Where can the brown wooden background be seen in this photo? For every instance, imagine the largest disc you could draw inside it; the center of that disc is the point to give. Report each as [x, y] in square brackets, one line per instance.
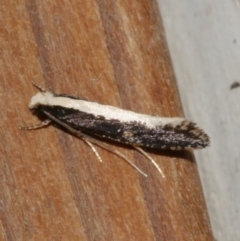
[52, 185]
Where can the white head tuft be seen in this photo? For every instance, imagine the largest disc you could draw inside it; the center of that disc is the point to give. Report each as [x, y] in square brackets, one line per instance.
[41, 98]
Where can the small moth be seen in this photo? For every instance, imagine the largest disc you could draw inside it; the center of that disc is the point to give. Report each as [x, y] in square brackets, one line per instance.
[88, 119]
[234, 85]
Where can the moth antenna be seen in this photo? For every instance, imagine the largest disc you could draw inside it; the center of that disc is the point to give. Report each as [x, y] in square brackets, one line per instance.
[98, 78]
[92, 140]
[37, 126]
[151, 159]
[38, 87]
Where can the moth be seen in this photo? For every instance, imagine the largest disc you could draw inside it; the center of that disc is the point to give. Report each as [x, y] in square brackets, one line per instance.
[234, 85]
[87, 119]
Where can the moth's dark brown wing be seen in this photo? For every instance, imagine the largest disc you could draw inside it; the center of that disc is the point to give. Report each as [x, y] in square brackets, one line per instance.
[184, 136]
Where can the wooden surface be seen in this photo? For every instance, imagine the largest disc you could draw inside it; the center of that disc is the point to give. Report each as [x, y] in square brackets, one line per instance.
[204, 42]
[52, 185]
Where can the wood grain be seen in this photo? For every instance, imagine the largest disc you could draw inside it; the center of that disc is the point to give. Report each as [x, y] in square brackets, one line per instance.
[52, 185]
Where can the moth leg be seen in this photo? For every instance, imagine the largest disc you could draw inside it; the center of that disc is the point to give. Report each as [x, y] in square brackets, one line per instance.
[151, 159]
[123, 157]
[104, 146]
[94, 141]
[93, 148]
[37, 126]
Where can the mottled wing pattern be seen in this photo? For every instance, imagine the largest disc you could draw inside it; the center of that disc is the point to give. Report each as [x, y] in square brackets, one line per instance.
[186, 135]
